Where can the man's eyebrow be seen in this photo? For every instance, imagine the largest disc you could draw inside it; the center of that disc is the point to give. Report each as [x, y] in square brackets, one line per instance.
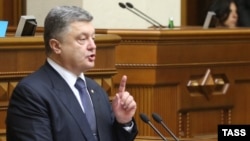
[87, 34]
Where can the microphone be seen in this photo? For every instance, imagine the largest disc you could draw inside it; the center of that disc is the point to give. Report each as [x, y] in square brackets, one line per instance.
[122, 5]
[146, 120]
[132, 7]
[158, 119]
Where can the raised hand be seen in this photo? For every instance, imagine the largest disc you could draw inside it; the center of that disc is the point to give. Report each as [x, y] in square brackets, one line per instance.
[123, 104]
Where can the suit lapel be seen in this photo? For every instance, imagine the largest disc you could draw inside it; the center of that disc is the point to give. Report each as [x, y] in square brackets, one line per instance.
[67, 97]
[95, 99]
[103, 116]
[97, 102]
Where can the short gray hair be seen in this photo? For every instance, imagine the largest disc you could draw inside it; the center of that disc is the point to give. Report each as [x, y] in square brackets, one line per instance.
[58, 19]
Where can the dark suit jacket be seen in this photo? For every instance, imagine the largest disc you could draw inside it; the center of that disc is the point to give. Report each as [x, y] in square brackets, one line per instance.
[44, 108]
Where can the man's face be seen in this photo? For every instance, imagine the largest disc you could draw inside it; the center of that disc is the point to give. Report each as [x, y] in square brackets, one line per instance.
[78, 49]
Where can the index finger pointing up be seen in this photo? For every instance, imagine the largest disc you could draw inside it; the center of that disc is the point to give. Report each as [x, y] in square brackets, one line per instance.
[122, 86]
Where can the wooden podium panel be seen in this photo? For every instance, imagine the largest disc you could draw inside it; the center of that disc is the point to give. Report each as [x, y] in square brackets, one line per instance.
[194, 78]
[20, 56]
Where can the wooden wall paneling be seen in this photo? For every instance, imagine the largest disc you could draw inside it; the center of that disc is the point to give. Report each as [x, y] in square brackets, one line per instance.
[19, 7]
[183, 12]
[193, 12]
[11, 10]
[1, 11]
[162, 63]
[242, 106]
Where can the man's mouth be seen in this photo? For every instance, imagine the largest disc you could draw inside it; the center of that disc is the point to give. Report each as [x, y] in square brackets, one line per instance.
[92, 57]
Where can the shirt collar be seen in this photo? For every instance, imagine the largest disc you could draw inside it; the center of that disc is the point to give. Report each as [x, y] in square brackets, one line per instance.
[68, 76]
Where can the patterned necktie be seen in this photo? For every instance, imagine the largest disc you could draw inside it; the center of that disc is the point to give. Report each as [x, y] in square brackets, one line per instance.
[87, 104]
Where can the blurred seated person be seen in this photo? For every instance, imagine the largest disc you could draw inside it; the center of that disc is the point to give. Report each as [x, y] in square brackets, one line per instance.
[226, 13]
[243, 12]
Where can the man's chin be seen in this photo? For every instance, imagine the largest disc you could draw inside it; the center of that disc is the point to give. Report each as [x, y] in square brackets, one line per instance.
[90, 66]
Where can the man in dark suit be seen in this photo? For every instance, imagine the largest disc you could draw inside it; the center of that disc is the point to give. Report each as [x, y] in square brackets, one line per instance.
[47, 106]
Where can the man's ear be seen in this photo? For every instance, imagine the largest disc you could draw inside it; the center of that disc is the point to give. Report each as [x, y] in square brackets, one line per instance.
[55, 46]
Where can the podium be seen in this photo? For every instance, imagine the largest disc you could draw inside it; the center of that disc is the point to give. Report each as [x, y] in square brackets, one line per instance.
[194, 78]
